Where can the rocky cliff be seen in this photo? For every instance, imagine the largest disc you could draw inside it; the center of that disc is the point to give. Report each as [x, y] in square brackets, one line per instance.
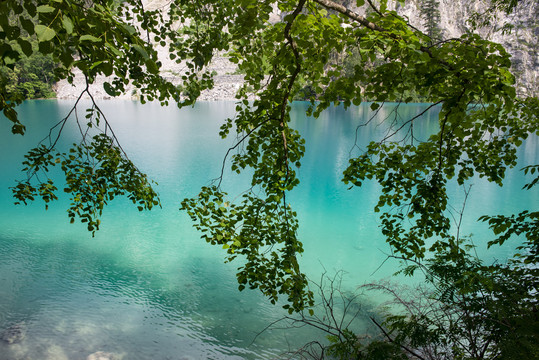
[521, 43]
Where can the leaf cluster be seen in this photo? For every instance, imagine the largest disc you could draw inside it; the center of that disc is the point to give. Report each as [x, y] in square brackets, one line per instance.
[95, 173]
[87, 36]
[481, 122]
[96, 170]
[262, 232]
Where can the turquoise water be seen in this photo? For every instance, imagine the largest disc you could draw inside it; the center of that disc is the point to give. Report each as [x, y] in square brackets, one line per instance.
[147, 287]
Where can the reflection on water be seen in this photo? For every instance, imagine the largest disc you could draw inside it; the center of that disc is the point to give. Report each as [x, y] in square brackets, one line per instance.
[147, 287]
[81, 301]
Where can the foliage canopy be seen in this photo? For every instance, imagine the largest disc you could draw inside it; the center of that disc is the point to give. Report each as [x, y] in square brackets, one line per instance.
[481, 122]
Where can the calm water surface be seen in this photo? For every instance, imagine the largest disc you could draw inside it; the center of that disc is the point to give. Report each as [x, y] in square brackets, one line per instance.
[146, 286]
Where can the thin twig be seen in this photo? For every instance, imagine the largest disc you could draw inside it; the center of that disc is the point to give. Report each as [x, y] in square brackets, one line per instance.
[393, 341]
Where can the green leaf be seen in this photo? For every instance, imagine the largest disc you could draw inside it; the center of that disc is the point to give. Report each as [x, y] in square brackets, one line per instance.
[18, 128]
[89, 38]
[25, 46]
[128, 28]
[152, 67]
[68, 24]
[45, 9]
[141, 51]
[109, 89]
[45, 47]
[10, 57]
[114, 50]
[27, 25]
[30, 8]
[107, 68]
[44, 33]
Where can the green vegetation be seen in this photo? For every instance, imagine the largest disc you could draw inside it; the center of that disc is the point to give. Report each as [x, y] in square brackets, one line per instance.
[30, 78]
[480, 310]
[430, 14]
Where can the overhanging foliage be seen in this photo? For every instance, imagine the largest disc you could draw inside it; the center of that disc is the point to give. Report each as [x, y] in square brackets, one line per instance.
[481, 122]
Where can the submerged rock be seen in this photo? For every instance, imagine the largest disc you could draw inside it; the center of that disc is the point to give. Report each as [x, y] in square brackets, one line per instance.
[102, 355]
[15, 333]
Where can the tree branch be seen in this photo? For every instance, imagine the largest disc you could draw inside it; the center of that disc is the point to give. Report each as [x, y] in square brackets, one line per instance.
[405, 348]
[349, 13]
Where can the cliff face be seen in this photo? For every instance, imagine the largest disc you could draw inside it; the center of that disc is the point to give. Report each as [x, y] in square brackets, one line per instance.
[521, 43]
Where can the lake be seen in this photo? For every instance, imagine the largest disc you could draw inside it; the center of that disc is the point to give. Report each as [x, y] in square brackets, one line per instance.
[146, 286]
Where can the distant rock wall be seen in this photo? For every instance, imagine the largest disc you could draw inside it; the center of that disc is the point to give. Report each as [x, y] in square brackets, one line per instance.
[521, 43]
